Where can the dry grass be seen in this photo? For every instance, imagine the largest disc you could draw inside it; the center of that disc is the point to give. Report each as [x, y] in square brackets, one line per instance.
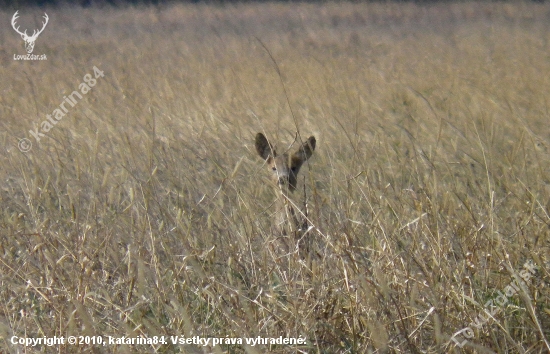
[145, 211]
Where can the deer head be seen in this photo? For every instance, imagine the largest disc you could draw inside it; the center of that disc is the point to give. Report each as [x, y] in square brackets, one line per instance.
[285, 167]
[29, 40]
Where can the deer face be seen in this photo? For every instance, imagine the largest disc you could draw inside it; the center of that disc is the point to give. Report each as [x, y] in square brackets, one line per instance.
[29, 43]
[284, 168]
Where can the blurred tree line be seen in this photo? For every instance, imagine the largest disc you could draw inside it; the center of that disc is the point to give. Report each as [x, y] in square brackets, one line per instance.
[16, 4]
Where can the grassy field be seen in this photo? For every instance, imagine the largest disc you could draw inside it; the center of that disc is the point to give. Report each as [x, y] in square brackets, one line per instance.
[143, 208]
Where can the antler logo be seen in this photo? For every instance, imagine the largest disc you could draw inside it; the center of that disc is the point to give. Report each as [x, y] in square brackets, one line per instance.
[29, 40]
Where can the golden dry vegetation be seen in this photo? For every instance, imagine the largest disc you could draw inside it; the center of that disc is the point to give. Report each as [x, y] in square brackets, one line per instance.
[145, 210]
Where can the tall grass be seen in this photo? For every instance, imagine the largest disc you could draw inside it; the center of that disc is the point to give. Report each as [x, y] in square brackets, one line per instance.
[146, 211]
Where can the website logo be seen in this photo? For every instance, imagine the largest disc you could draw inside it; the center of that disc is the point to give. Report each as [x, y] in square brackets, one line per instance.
[29, 40]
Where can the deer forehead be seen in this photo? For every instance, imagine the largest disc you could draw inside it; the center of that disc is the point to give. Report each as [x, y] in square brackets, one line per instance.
[281, 162]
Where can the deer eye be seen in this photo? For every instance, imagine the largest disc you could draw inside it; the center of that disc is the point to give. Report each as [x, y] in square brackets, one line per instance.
[274, 168]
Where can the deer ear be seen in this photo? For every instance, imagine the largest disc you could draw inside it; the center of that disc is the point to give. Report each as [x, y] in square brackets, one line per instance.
[263, 147]
[306, 150]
